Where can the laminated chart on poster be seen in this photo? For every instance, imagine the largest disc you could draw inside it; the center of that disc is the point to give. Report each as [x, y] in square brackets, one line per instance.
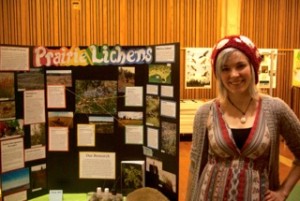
[152, 89]
[134, 96]
[12, 154]
[35, 153]
[197, 68]
[268, 68]
[97, 165]
[296, 68]
[58, 139]
[56, 96]
[165, 53]
[14, 58]
[134, 134]
[168, 108]
[34, 106]
[22, 195]
[167, 91]
[152, 138]
[86, 135]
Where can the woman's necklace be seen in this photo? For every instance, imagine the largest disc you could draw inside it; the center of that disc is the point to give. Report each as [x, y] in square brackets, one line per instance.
[243, 118]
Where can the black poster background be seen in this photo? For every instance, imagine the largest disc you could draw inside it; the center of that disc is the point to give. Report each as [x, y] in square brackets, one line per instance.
[63, 167]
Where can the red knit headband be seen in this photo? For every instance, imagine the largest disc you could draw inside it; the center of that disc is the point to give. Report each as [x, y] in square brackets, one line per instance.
[242, 43]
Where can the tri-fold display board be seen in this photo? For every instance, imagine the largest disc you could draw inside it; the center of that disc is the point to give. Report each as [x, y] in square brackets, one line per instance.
[78, 118]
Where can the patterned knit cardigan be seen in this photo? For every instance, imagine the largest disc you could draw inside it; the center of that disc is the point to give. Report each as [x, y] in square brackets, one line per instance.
[281, 120]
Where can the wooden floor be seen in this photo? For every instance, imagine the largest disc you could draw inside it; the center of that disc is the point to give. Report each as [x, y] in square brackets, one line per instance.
[285, 164]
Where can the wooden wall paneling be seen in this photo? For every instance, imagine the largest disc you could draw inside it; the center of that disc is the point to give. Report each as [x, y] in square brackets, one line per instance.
[104, 24]
[165, 23]
[149, 23]
[116, 25]
[129, 11]
[142, 13]
[97, 16]
[296, 100]
[159, 23]
[29, 40]
[109, 12]
[284, 75]
[45, 22]
[296, 24]
[293, 23]
[112, 22]
[1, 22]
[198, 17]
[191, 31]
[11, 22]
[108, 22]
[48, 10]
[33, 23]
[292, 28]
[182, 51]
[200, 28]
[282, 25]
[170, 21]
[53, 22]
[18, 24]
[277, 30]
[40, 34]
[13, 25]
[6, 21]
[155, 21]
[176, 20]
[60, 24]
[84, 25]
[124, 22]
[145, 12]
[188, 28]
[101, 39]
[136, 24]
[92, 16]
[67, 18]
[48, 14]
[75, 25]
[167, 13]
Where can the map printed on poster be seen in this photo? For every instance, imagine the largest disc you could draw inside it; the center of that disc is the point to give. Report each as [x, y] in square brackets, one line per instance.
[296, 68]
[268, 68]
[197, 68]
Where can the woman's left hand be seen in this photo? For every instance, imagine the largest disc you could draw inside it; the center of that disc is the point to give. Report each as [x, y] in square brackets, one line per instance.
[275, 196]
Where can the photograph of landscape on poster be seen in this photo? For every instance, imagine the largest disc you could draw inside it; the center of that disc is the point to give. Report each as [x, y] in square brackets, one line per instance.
[96, 96]
[7, 90]
[125, 78]
[160, 73]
